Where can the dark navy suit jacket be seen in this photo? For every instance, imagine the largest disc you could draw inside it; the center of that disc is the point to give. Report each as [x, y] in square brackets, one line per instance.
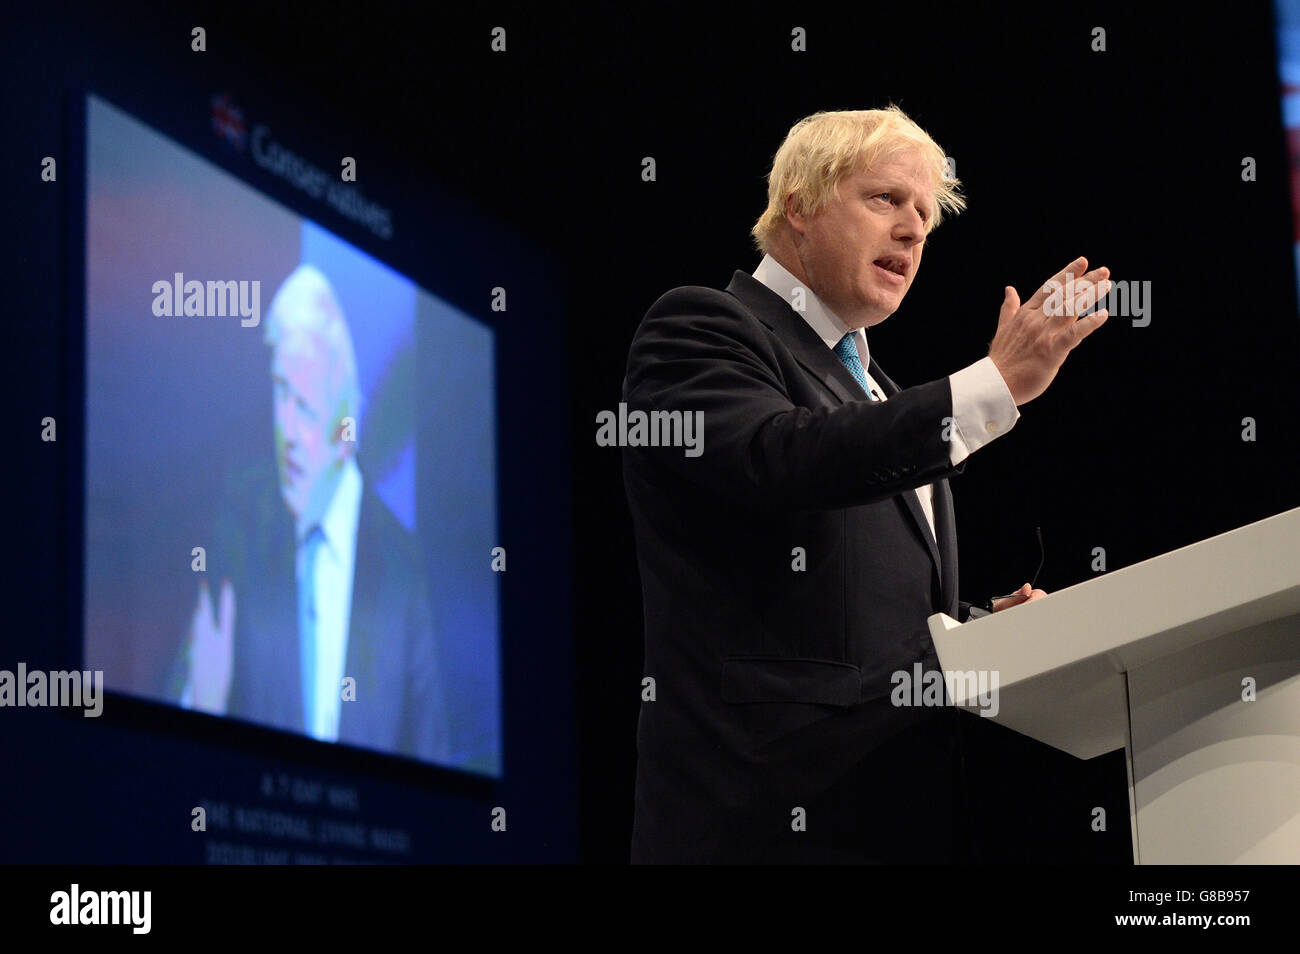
[772, 684]
[392, 650]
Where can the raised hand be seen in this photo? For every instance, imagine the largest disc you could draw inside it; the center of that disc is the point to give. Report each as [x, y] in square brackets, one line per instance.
[1033, 339]
[212, 649]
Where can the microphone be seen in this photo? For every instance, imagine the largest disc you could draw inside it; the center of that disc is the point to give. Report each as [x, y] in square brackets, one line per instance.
[1042, 558]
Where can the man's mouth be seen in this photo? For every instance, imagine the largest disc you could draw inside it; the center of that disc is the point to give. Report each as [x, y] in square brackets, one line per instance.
[892, 267]
[291, 470]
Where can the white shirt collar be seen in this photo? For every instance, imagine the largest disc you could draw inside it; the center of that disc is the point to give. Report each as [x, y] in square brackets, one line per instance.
[820, 318]
[339, 523]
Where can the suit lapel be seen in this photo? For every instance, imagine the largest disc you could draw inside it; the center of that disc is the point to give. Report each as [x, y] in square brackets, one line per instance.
[911, 498]
[268, 683]
[369, 603]
[797, 335]
[947, 529]
[821, 362]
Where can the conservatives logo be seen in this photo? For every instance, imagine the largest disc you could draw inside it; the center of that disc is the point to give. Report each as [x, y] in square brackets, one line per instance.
[228, 121]
[344, 197]
[102, 907]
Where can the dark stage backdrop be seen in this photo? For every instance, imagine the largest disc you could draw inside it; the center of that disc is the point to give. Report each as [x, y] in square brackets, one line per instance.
[1132, 156]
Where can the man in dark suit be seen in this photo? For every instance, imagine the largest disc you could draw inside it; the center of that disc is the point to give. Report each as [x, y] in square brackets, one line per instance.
[788, 569]
[322, 625]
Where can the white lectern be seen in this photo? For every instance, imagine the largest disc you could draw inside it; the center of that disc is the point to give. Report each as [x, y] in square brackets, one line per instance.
[1161, 659]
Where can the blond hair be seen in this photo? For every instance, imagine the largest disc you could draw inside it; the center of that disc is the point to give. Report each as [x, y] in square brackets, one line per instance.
[821, 149]
[305, 316]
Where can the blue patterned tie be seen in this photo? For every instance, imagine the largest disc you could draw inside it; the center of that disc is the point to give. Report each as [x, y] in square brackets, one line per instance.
[307, 626]
[847, 352]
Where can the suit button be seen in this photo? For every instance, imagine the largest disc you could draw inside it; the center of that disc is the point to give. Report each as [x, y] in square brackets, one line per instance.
[990, 427]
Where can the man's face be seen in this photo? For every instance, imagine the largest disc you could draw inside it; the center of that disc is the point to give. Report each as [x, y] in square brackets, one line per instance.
[304, 446]
[860, 254]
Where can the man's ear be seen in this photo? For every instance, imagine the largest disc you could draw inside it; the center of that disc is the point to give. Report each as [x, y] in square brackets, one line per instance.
[794, 213]
[342, 448]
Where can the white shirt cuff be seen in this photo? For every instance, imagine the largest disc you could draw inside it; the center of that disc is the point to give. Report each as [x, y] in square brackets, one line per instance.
[982, 408]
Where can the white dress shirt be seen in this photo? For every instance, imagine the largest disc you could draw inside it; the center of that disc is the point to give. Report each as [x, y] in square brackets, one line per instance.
[335, 560]
[982, 406]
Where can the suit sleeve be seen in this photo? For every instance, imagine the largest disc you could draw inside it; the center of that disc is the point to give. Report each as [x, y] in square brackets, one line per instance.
[707, 355]
[175, 685]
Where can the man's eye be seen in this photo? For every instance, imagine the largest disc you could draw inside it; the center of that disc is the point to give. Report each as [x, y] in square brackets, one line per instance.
[888, 197]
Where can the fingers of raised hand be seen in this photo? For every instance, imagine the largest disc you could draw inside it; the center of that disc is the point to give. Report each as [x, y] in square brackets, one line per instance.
[1086, 326]
[1085, 292]
[1071, 292]
[1068, 300]
[1059, 279]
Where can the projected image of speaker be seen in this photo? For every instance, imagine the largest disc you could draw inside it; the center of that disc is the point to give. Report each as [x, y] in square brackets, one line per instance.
[290, 473]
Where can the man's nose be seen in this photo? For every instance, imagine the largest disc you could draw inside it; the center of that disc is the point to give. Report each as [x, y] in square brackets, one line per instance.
[910, 227]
